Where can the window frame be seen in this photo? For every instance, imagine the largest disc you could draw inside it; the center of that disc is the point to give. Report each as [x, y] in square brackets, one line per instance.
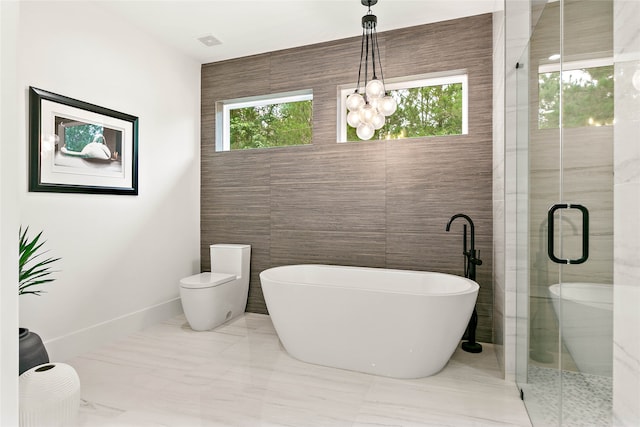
[408, 82]
[223, 111]
[556, 67]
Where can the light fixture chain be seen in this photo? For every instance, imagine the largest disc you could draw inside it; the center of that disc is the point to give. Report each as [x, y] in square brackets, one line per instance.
[374, 44]
[361, 54]
[379, 61]
[366, 62]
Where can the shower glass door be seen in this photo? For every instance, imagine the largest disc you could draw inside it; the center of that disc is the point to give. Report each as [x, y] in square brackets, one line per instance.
[565, 222]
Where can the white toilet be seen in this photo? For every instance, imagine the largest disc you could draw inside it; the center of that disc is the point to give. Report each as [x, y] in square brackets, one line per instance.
[210, 299]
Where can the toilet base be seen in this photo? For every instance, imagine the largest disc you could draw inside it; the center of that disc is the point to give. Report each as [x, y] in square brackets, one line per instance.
[200, 325]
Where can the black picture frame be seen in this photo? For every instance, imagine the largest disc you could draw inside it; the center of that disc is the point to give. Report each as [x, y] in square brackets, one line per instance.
[78, 147]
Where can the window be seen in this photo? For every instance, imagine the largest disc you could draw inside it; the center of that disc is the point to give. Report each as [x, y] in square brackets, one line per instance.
[429, 105]
[587, 94]
[264, 121]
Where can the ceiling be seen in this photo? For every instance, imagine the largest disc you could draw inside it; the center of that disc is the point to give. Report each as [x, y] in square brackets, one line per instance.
[248, 27]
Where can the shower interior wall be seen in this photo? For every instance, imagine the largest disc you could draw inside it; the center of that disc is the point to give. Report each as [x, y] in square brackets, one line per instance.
[377, 203]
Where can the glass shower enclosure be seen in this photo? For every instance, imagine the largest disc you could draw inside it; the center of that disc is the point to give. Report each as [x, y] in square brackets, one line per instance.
[565, 214]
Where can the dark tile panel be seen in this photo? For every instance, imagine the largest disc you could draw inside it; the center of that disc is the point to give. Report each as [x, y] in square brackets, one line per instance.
[325, 109]
[245, 168]
[440, 46]
[261, 260]
[235, 78]
[439, 157]
[251, 225]
[485, 297]
[207, 135]
[428, 184]
[319, 67]
[236, 201]
[483, 333]
[336, 163]
[423, 252]
[255, 301]
[327, 247]
[345, 206]
[429, 215]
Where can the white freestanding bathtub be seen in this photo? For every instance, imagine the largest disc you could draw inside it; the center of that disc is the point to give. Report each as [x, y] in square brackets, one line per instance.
[394, 323]
[586, 324]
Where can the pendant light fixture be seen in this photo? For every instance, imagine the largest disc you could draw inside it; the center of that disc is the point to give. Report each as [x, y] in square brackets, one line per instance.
[370, 104]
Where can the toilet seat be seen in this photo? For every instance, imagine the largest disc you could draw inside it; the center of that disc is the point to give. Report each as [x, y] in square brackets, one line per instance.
[206, 280]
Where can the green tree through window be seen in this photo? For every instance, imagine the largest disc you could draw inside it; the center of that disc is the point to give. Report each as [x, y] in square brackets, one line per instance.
[422, 111]
[272, 125]
[587, 98]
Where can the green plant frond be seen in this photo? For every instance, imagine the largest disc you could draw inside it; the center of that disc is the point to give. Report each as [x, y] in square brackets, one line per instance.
[37, 270]
[39, 263]
[31, 292]
[35, 275]
[33, 272]
[36, 256]
[29, 249]
[35, 283]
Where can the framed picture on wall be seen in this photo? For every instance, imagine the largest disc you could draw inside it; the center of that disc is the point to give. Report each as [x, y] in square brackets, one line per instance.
[77, 147]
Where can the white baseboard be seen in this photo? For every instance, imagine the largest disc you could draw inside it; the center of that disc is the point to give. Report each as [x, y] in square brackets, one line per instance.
[84, 340]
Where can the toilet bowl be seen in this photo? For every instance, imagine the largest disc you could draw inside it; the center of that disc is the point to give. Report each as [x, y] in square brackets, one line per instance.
[209, 299]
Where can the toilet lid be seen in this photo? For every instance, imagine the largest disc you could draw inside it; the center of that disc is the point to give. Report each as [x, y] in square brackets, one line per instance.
[206, 280]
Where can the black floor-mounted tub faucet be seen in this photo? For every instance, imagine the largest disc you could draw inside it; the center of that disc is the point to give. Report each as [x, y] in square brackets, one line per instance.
[471, 261]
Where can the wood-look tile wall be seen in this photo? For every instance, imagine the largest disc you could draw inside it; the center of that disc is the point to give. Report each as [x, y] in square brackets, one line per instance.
[375, 203]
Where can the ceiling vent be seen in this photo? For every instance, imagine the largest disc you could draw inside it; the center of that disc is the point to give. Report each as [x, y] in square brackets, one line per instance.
[209, 40]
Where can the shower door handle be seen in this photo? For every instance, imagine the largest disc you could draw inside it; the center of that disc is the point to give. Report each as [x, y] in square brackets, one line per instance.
[551, 231]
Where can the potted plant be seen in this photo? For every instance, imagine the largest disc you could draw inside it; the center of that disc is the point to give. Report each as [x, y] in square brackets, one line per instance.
[33, 272]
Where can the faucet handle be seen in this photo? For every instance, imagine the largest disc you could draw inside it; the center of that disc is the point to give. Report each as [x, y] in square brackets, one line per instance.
[476, 261]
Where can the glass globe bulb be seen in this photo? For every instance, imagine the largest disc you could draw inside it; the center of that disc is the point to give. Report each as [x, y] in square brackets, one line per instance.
[353, 119]
[365, 131]
[355, 101]
[387, 105]
[367, 112]
[378, 121]
[374, 89]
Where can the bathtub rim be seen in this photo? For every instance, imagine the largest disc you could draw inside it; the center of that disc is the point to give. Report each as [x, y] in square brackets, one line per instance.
[555, 290]
[471, 285]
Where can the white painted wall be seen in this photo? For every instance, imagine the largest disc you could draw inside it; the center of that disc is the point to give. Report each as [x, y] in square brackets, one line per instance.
[8, 215]
[122, 256]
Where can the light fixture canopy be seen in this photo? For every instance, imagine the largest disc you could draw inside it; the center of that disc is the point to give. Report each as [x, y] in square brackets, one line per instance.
[369, 104]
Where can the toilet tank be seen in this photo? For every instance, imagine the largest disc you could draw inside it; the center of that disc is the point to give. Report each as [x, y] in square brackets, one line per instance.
[230, 259]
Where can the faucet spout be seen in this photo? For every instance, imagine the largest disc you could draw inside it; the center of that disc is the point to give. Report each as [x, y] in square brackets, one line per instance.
[472, 229]
[460, 215]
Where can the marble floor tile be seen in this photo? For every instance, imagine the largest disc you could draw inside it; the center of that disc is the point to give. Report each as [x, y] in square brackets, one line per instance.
[239, 375]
